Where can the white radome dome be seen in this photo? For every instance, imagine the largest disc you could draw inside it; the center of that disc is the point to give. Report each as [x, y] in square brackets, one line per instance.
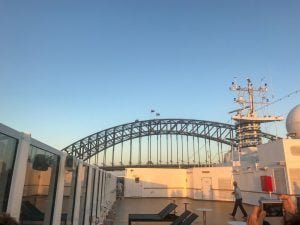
[293, 122]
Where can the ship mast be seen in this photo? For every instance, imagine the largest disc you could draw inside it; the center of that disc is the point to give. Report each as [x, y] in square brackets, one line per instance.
[247, 122]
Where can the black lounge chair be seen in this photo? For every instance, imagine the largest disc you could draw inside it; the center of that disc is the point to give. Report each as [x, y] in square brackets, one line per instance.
[189, 219]
[163, 215]
[181, 218]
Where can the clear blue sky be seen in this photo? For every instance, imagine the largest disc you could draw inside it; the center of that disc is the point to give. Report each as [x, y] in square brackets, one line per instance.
[72, 68]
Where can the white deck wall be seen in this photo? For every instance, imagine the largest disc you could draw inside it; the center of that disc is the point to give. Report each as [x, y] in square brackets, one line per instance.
[146, 182]
[213, 183]
[292, 156]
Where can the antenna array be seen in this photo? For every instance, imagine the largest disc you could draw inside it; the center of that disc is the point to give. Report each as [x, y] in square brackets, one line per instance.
[246, 119]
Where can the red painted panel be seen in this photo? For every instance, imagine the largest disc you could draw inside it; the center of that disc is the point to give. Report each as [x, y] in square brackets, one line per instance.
[266, 183]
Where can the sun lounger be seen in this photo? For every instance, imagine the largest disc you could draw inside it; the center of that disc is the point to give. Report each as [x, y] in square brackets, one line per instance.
[164, 215]
[181, 218]
[189, 219]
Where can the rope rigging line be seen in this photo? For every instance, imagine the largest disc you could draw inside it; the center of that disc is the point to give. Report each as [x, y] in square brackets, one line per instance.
[280, 99]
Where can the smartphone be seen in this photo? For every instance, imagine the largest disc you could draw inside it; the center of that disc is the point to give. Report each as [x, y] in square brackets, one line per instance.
[274, 211]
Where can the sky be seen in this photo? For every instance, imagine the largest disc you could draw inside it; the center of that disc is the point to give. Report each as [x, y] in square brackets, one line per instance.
[72, 68]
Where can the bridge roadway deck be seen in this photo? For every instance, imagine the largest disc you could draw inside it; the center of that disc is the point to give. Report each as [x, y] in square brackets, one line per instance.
[218, 215]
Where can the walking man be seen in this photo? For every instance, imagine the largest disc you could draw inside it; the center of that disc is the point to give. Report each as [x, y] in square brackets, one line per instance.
[119, 189]
[238, 201]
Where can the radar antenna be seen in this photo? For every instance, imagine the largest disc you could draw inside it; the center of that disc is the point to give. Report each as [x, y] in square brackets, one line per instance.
[246, 119]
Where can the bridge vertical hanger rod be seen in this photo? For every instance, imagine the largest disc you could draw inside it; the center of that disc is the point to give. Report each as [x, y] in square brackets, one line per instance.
[177, 142]
[148, 144]
[122, 145]
[171, 148]
[187, 149]
[222, 158]
[157, 145]
[160, 145]
[97, 148]
[140, 144]
[167, 140]
[88, 153]
[81, 150]
[113, 148]
[198, 145]
[194, 155]
[182, 149]
[219, 161]
[105, 143]
[130, 153]
[205, 146]
[210, 161]
[150, 136]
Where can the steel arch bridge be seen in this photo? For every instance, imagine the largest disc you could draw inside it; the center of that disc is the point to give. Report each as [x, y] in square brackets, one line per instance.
[159, 151]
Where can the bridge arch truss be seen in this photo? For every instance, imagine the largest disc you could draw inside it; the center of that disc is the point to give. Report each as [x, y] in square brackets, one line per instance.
[158, 143]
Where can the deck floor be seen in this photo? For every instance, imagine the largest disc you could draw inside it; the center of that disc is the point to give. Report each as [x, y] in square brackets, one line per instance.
[218, 216]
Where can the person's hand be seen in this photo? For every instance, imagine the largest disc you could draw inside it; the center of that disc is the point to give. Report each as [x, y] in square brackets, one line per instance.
[256, 217]
[288, 205]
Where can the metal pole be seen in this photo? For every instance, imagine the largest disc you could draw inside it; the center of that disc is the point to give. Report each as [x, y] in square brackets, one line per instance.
[122, 143]
[148, 157]
[194, 150]
[150, 138]
[177, 145]
[140, 150]
[160, 149]
[218, 146]
[122, 151]
[157, 147]
[171, 149]
[113, 149]
[210, 162]
[198, 152]
[182, 149]
[206, 161]
[167, 148]
[140, 144]
[130, 153]
[187, 149]
[105, 145]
